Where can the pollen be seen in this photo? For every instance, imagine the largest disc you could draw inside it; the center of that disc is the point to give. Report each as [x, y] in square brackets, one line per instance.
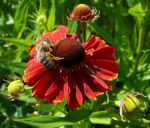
[71, 51]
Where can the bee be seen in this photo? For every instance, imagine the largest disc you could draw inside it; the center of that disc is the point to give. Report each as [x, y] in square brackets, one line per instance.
[44, 56]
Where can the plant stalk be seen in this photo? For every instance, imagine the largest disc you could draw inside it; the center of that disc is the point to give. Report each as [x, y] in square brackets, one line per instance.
[83, 25]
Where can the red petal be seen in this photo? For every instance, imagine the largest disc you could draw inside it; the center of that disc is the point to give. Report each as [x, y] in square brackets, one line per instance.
[79, 96]
[106, 53]
[34, 71]
[105, 64]
[101, 82]
[94, 43]
[72, 99]
[55, 36]
[52, 92]
[32, 51]
[106, 74]
[94, 85]
[88, 92]
[42, 85]
[66, 88]
[73, 36]
[60, 97]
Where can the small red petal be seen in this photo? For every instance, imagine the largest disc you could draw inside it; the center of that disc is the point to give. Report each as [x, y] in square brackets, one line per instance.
[79, 96]
[94, 43]
[60, 97]
[32, 51]
[88, 92]
[66, 88]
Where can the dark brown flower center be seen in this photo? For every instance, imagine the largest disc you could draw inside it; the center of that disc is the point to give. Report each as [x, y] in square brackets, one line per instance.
[71, 52]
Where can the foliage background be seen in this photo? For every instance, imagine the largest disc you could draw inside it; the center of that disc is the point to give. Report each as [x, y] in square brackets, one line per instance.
[123, 24]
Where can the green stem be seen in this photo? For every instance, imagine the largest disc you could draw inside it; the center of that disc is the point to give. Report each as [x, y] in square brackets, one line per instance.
[139, 49]
[83, 25]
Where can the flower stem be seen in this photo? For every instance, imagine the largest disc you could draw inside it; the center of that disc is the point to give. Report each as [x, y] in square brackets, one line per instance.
[83, 25]
[141, 36]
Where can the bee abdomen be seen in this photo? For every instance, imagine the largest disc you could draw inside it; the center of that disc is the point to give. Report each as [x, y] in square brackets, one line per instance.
[45, 60]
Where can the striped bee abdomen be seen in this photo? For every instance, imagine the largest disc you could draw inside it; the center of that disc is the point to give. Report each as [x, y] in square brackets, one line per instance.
[44, 59]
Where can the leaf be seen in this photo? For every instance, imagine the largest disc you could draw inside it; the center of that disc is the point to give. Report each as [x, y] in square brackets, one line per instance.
[138, 12]
[78, 115]
[100, 117]
[51, 17]
[6, 104]
[45, 121]
[13, 66]
[72, 26]
[16, 41]
[21, 17]
[103, 33]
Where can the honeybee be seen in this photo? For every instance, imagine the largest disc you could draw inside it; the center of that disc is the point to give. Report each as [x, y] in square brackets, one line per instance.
[44, 56]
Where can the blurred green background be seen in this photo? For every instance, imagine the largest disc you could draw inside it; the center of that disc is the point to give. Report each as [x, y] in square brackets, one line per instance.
[123, 24]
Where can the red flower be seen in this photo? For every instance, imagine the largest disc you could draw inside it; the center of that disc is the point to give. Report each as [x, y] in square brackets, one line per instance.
[77, 71]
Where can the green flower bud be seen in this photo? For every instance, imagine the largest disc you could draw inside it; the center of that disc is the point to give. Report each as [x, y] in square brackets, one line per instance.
[41, 19]
[130, 103]
[15, 87]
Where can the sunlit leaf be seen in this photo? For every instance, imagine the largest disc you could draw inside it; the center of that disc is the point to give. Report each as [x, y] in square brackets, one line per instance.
[100, 117]
[44, 121]
[51, 17]
[21, 17]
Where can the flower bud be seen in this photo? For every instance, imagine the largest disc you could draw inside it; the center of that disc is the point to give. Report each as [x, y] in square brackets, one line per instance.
[15, 87]
[83, 13]
[130, 104]
[41, 19]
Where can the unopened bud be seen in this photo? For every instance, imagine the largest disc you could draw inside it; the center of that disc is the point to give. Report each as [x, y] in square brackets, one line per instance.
[15, 87]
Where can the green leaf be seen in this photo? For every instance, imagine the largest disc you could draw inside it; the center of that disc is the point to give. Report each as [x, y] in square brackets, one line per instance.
[16, 41]
[6, 104]
[17, 67]
[78, 115]
[138, 12]
[51, 17]
[72, 26]
[102, 32]
[45, 121]
[21, 17]
[100, 117]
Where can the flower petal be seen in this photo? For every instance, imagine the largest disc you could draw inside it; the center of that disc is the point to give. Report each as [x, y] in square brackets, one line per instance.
[32, 51]
[79, 96]
[56, 35]
[34, 71]
[53, 93]
[105, 64]
[106, 74]
[106, 53]
[42, 85]
[94, 43]
[95, 86]
[73, 102]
